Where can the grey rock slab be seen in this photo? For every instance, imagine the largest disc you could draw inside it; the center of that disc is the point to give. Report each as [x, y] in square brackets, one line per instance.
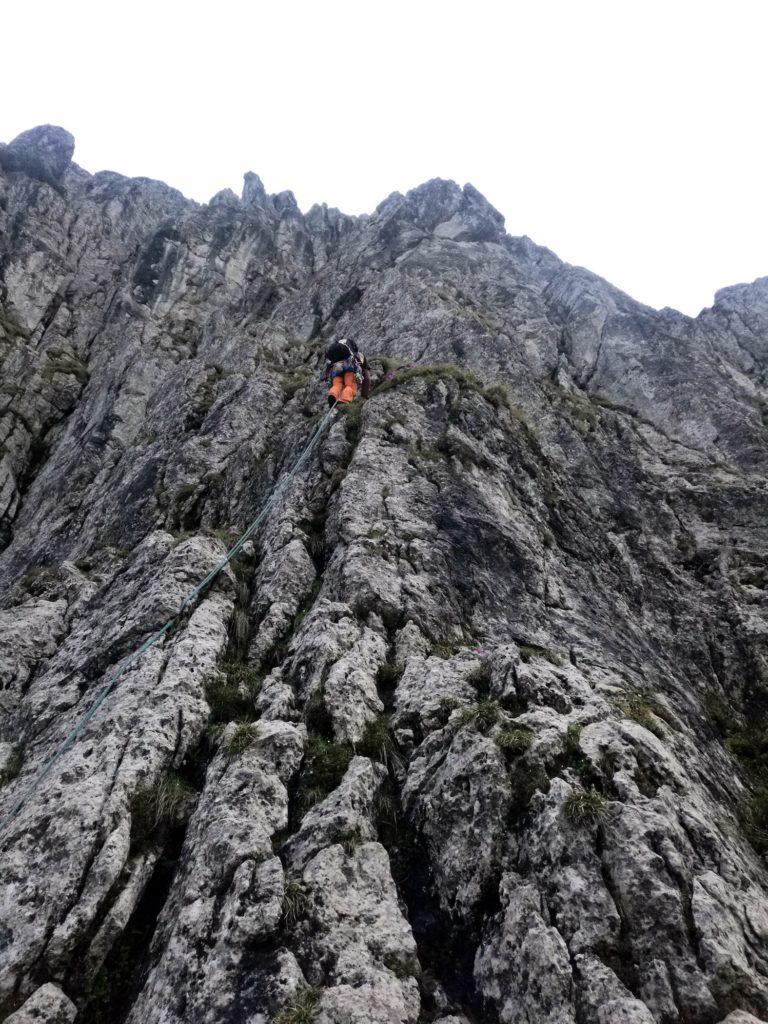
[425, 686]
[457, 794]
[276, 699]
[76, 825]
[355, 927]
[522, 966]
[733, 930]
[624, 1011]
[47, 1005]
[351, 695]
[28, 634]
[228, 892]
[284, 579]
[348, 810]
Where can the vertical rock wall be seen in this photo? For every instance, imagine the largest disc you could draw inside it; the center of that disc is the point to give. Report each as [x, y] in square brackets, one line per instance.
[474, 729]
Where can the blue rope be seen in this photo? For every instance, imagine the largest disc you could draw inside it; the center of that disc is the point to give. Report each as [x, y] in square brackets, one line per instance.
[152, 640]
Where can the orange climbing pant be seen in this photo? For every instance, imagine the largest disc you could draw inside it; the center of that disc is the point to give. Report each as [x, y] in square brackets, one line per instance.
[344, 387]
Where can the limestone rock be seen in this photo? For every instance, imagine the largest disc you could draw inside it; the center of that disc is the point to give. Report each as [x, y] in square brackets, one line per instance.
[473, 726]
[47, 1005]
[44, 153]
[347, 812]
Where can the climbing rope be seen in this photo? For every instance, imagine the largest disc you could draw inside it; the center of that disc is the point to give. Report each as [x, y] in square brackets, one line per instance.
[152, 640]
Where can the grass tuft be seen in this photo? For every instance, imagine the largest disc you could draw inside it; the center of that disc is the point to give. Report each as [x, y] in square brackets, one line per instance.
[295, 900]
[350, 839]
[641, 710]
[573, 741]
[527, 779]
[514, 741]
[301, 1011]
[158, 808]
[378, 743]
[750, 746]
[585, 808]
[244, 735]
[389, 675]
[385, 811]
[480, 678]
[239, 629]
[316, 716]
[445, 708]
[482, 715]
[232, 697]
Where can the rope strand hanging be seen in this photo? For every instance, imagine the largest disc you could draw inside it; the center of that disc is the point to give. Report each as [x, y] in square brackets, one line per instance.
[191, 597]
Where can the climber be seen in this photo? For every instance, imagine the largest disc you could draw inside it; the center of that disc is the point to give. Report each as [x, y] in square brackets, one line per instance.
[346, 368]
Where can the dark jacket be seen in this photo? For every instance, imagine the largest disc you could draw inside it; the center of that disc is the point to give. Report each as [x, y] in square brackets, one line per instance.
[351, 359]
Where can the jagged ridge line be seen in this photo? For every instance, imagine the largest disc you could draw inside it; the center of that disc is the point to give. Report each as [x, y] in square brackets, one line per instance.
[152, 640]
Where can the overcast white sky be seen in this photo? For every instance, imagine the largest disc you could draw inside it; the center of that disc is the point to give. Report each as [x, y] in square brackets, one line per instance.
[630, 137]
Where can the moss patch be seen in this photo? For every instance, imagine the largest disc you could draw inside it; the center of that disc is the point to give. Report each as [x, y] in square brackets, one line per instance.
[749, 745]
[293, 379]
[11, 328]
[401, 964]
[433, 372]
[39, 580]
[720, 714]
[530, 651]
[352, 414]
[753, 814]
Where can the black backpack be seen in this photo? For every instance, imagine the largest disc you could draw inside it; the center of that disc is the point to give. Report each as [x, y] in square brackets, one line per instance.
[338, 352]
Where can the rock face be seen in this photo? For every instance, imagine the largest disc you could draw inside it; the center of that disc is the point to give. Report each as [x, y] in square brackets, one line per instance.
[474, 728]
[44, 153]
